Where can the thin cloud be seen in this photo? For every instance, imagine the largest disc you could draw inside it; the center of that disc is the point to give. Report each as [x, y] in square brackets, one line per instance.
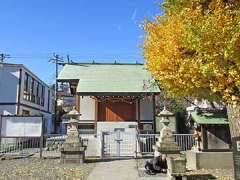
[134, 14]
[119, 28]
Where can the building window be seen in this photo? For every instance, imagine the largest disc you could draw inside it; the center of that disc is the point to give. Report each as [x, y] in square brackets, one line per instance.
[26, 87]
[43, 96]
[33, 90]
[26, 82]
[48, 99]
[30, 88]
[38, 94]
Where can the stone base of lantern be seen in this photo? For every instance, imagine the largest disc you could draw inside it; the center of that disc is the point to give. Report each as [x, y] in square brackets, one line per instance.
[176, 166]
[72, 153]
[75, 157]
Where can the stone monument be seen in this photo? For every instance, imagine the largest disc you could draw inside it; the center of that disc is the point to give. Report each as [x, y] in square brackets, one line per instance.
[166, 145]
[73, 150]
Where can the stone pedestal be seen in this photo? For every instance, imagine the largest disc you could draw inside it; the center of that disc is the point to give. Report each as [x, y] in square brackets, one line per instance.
[73, 150]
[176, 166]
[73, 156]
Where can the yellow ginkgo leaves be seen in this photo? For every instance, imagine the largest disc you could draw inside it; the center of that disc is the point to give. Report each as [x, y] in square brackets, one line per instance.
[194, 49]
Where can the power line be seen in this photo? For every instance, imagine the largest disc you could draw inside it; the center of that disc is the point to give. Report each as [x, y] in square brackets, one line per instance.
[77, 54]
[83, 56]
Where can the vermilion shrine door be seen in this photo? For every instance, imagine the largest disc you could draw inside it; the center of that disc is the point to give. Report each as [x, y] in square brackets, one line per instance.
[116, 111]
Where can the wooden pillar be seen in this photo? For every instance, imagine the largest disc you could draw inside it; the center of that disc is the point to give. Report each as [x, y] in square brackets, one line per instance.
[154, 113]
[96, 114]
[204, 138]
[138, 113]
[77, 98]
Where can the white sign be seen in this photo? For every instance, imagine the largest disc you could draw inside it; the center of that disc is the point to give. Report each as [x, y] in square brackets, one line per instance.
[17, 126]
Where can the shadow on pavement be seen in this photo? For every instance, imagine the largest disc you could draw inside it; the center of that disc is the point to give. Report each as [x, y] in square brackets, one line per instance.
[201, 177]
[96, 160]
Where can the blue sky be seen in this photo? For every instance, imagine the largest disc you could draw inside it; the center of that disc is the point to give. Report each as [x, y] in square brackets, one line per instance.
[104, 31]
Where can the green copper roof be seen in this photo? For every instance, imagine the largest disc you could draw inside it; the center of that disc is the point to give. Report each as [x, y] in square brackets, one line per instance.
[209, 118]
[114, 78]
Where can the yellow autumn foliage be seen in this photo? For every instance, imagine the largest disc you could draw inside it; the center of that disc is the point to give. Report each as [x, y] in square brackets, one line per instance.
[194, 49]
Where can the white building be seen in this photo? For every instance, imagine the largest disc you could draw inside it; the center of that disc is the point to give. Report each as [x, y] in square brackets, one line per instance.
[23, 93]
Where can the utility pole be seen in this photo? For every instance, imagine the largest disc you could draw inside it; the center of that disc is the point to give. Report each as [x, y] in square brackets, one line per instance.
[68, 58]
[69, 61]
[3, 57]
[56, 59]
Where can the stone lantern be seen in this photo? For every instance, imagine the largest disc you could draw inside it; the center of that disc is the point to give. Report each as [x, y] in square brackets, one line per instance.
[166, 145]
[73, 150]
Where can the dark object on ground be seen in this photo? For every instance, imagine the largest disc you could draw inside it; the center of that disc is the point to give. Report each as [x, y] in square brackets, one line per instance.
[156, 165]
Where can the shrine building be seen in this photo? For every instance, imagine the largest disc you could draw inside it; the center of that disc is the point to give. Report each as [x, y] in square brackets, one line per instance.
[112, 97]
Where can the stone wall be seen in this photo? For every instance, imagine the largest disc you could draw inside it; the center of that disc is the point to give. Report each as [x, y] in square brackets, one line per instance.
[209, 160]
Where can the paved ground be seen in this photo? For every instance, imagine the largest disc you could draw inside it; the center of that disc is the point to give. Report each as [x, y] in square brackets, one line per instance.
[201, 174]
[95, 169]
[42, 169]
[118, 170]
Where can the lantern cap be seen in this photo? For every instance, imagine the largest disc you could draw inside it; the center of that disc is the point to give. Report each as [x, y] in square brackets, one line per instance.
[165, 121]
[73, 113]
[165, 112]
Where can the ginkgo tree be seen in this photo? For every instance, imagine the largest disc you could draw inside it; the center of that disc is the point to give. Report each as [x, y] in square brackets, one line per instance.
[194, 50]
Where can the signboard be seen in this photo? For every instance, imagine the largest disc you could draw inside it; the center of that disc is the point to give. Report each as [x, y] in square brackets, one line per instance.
[236, 157]
[21, 126]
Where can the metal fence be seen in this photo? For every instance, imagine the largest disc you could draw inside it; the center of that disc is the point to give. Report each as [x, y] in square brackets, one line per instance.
[54, 142]
[185, 141]
[20, 146]
[51, 144]
[146, 141]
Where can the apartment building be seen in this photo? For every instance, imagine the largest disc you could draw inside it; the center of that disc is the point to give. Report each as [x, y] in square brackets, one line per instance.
[23, 93]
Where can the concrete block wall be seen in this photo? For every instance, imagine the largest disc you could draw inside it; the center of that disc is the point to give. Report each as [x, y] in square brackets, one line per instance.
[209, 160]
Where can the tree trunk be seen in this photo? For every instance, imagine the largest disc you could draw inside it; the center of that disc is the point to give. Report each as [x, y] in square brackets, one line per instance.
[233, 112]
